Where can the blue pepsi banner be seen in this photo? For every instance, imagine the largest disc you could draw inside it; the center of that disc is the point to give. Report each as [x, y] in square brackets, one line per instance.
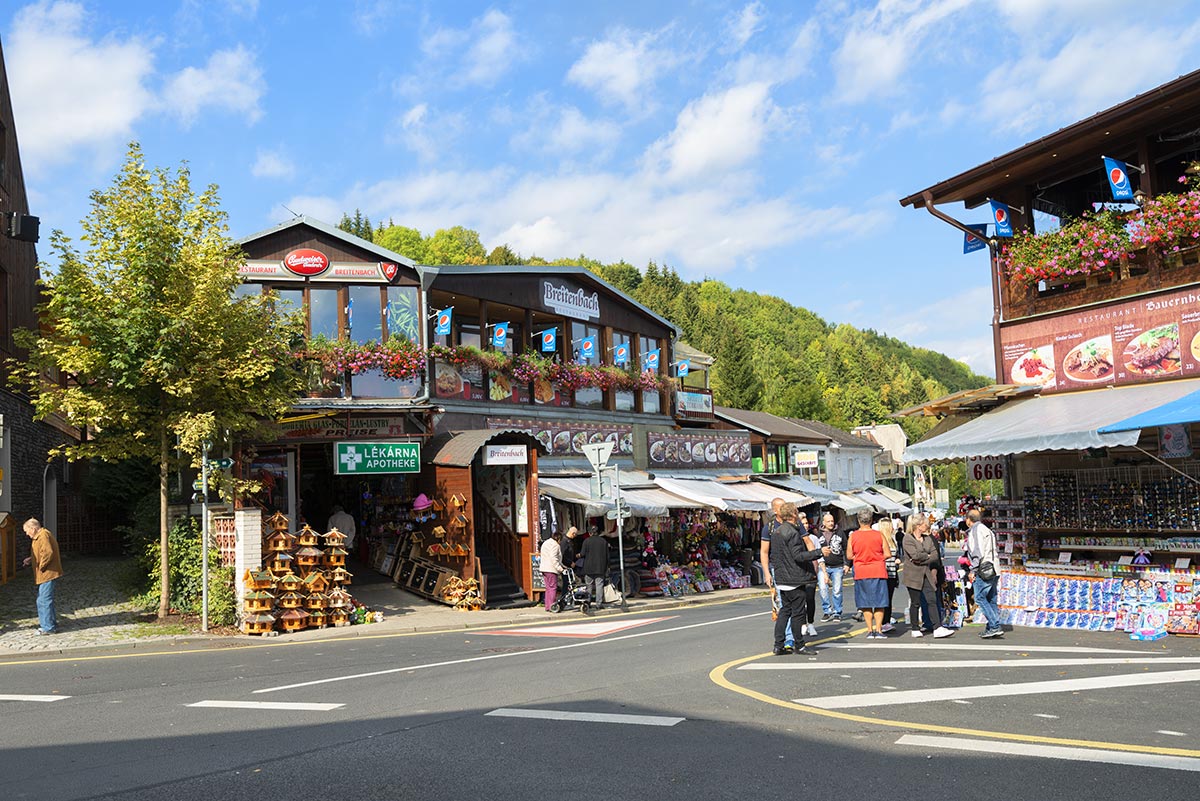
[974, 243]
[444, 318]
[1002, 218]
[549, 340]
[500, 336]
[1118, 179]
[621, 354]
[684, 365]
[650, 361]
[587, 349]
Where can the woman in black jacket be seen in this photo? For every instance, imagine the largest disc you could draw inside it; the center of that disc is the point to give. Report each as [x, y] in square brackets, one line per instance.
[793, 558]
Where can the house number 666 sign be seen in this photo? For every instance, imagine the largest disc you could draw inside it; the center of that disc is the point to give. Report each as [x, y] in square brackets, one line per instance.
[985, 468]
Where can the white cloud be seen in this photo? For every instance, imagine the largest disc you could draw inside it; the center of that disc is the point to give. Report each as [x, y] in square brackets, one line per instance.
[71, 93]
[428, 132]
[565, 131]
[741, 27]
[371, 16]
[489, 47]
[621, 69]
[232, 80]
[715, 133]
[272, 164]
[777, 67]
[882, 44]
[1038, 17]
[1037, 92]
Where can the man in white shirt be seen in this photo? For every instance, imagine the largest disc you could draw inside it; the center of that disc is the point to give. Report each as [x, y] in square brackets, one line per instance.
[343, 522]
[981, 547]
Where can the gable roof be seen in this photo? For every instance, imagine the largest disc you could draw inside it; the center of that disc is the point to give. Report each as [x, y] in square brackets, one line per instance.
[835, 434]
[337, 233]
[769, 425]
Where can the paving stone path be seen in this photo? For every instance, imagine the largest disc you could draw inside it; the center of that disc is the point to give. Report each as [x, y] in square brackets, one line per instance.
[93, 608]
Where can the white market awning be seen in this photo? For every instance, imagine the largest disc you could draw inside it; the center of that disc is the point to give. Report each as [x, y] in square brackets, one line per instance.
[850, 504]
[1064, 422]
[881, 504]
[800, 485]
[739, 496]
[642, 501]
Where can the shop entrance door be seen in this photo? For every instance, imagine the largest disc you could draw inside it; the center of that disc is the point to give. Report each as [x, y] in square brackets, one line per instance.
[502, 537]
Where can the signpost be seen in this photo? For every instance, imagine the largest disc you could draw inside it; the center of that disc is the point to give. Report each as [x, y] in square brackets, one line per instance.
[598, 454]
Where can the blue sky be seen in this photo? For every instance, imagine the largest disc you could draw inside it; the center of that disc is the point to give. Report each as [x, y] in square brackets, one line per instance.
[764, 143]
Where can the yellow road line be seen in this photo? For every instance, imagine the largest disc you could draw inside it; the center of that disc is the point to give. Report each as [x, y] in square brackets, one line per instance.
[717, 676]
[218, 648]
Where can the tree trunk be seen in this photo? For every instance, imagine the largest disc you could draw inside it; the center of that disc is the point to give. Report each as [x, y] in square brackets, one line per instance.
[164, 598]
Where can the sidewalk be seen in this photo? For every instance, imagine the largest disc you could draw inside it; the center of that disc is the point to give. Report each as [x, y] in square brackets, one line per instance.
[93, 614]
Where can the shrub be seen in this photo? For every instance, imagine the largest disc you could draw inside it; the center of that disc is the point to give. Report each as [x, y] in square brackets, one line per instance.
[184, 562]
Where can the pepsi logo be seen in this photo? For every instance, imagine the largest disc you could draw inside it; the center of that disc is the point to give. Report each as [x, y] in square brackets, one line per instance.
[443, 319]
[548, 338]
[622, 351]
[971, 238]
[1118, 177]
[1002, 215]
[588, 346]
[501, 335]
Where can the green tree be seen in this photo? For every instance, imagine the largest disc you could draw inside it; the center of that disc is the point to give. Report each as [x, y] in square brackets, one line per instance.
[359, 225]
[405, 241]
[736, 384]
[157, 354]
[455, 245]
[502, 255]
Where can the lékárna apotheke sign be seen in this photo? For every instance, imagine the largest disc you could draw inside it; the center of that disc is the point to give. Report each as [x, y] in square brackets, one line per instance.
[365, 458]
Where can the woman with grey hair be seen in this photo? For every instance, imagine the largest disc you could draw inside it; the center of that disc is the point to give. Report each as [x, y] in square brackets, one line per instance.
[921, 559]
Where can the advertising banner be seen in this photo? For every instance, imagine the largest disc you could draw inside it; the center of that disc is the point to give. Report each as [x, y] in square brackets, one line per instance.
[706, 449]
[1152, 338]
[563, 438]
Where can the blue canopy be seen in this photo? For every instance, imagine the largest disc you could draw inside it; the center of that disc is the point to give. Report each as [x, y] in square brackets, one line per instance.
[1182, 410]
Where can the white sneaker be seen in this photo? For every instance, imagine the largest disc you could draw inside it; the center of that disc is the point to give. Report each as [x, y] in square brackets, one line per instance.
[916, 633]
[942, 631]
[887, 627]
[810, 630]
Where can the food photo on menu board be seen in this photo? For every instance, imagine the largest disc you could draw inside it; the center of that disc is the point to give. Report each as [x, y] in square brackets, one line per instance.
[1035, 367]
[568, 439]
[697, 451]
[1154, 352]
[465, 381]
[1091, 361]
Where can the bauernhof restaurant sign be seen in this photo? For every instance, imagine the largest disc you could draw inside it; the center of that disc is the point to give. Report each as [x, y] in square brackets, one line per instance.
[1125, 342]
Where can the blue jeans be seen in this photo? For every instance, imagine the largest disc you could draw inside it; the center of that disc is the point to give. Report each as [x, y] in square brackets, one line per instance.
[831, 590]
[985, 597]
[45, 605]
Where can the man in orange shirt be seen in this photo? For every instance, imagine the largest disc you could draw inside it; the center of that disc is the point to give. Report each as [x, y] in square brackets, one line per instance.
[47, 569]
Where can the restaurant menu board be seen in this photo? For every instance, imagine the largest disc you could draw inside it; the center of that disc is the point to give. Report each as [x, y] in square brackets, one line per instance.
[1126, 342]
[699, 450]
[563, 438]
[463, 381]
[503, 389]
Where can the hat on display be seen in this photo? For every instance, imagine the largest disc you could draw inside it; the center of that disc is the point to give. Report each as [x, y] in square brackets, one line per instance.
[421, 503]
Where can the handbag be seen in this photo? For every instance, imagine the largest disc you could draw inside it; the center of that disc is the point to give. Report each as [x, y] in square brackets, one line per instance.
[986, 571]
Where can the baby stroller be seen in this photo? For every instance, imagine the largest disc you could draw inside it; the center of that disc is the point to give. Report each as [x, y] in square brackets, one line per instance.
[572, 594]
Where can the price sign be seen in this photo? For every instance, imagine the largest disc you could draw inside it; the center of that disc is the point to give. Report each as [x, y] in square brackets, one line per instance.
[985, 468]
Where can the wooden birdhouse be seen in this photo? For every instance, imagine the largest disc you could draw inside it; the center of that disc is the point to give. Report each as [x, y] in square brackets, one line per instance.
[339, 599]
[258, 580]
[280, 542]
[277, 522]
[335, 557]
[308, 557]
[316, 582]
[334, 538]
[458, 522]
[280, 563]
[339, 617]
[339, 576]
[293, 619]
[316, 600]
[258, 624]
[290, 583]
[458, 500]
[291, 600]
[259, 601]
[317, 619]
[306, 537]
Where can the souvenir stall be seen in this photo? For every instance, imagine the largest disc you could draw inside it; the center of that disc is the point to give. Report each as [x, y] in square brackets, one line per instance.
[698, 550]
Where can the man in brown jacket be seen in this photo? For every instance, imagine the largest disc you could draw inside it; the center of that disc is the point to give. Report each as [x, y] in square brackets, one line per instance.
[47, 569]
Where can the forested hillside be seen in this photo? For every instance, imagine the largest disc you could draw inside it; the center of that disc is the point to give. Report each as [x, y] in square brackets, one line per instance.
[771, 356]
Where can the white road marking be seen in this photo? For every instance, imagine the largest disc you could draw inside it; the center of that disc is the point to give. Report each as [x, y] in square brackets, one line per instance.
[45, 699]
[587, 717]
[960, 701]
[488, 657]
[970, 663]
[951, 646]
[1044, 715]
[1172, 733]
[581, 630]
[270, 705]
[999, 690]
[1052, 752]
[888, 687]
[294, 707]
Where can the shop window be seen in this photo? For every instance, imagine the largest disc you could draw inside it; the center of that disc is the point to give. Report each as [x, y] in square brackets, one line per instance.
[651, 400]
[403, 312]
[364, 314]
[287, 300]
[512, 343]
[579, 333]
[373, 384]
[247, 291]
[323, 312]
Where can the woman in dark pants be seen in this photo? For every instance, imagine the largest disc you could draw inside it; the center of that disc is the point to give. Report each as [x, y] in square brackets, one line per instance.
[921, 560]
[893, 539]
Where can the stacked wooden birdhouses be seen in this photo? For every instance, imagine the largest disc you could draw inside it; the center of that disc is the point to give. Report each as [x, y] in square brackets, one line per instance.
[302, 585]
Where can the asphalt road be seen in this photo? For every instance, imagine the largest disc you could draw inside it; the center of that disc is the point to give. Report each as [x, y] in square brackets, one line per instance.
[700, 710]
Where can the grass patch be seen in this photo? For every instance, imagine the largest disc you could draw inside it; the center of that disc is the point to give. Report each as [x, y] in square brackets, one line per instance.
[151, 630]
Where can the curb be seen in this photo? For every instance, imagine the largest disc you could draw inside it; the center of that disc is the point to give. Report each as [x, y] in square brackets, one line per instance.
[390, 626]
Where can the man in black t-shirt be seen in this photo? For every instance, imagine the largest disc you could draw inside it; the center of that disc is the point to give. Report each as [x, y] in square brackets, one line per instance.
[834, 568]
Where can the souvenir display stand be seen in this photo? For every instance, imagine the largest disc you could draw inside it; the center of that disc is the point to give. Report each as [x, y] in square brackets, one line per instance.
[303, 585]
[432, 555]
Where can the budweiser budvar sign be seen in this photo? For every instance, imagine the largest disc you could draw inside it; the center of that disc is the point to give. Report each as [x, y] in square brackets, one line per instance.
[306, 262]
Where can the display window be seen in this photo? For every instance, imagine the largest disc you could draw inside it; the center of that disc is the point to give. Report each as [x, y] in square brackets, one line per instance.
[324, 313]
